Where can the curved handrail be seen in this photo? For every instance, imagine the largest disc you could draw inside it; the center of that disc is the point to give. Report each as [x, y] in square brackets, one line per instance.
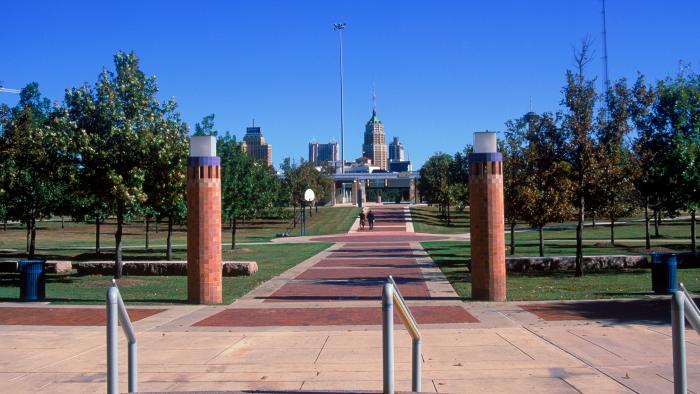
[391, 295]
[116, 312]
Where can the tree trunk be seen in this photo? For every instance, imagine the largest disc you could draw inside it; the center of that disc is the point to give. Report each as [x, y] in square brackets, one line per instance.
[148, 222]
[294, 215]
[541, 241]
[593, 218]
[656, 223]
[316, 206]
[512, 238]
[233, 233]
[97, 236]
[118, 244]
[29, 230]
[158, 225]
[62, 223]
[448, 215]
[4, 225]
[646, 224]
[612, 230]
[32, 240]
[579, 237]
[169, 247]
[692, 232]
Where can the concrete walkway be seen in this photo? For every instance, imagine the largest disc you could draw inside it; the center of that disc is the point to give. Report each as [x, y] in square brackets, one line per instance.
[317, 327]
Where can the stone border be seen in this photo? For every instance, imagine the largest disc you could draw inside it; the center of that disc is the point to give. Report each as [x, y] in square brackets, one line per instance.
[164, 268]
[52, 266]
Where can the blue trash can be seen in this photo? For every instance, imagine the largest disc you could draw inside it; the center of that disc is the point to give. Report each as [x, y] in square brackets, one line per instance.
[664, 276]
[32, 280]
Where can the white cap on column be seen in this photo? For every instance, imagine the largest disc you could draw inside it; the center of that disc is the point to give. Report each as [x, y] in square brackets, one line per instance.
[485, 142]
[202, 146]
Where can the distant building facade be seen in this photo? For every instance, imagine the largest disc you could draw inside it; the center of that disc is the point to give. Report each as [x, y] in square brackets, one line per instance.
[254, 145]
[320, 153]
[374, 147]
[400, 166]
[396, 150]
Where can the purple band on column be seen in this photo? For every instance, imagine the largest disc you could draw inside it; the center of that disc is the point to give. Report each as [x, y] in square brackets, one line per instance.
[485, 157]
[203, 161]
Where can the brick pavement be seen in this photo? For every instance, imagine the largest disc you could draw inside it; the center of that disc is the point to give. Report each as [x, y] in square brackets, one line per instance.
[353, 270]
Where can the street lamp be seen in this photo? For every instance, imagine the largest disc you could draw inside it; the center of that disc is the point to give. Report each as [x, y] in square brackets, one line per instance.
[340, 27]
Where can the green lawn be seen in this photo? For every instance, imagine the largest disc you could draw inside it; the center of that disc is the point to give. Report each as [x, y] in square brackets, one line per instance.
[673, 234]
[51, 238]
[451, 258]
[425, 220]
[272, 260]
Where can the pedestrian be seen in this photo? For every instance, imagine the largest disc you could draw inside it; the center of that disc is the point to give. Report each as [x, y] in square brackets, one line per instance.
[362, 219]
[370, 218]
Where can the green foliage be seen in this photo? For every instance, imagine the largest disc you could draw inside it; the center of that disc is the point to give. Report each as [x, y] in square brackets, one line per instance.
[206, 127]
[115, 122]
[299, 177]
[248, 187]
[36, 164]
[444, 180]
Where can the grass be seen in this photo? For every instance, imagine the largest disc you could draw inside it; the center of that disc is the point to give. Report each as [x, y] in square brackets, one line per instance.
[426, 220]
[81, 237]
[451, 258]
[272, 260]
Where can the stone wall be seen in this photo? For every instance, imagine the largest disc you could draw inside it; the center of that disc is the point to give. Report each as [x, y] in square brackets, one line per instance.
[164, 268]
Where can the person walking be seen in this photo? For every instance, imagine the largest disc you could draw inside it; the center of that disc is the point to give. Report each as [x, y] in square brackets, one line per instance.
[370, 218]
[363, 217]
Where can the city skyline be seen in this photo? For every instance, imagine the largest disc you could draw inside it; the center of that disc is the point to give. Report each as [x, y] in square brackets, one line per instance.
[452, 69]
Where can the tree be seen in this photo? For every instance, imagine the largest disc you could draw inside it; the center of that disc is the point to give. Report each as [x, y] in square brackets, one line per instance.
[36, 165]
[298, 178]
[166, 178]
[579, 100]
[435, 182]
[515, 171]
[615, 184]
[459, 177]
[206, 127]
[546, 185]
[645, 149]
[113, 124]
[676, 119]
[248, 187]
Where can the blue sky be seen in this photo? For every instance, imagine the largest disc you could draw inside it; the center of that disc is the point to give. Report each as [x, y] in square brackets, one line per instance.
[442, 69]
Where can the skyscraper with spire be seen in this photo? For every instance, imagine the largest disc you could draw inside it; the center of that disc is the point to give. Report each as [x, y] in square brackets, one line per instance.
[374, 146]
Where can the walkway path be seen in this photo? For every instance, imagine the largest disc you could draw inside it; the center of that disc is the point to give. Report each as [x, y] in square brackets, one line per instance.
[316, 327]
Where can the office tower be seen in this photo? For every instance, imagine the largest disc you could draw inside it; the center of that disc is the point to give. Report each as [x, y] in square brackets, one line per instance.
[374, 146]
[396, 150]
[320, 153]
[254, 145]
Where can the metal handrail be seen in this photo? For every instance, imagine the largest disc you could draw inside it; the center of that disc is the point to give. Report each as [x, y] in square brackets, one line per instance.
[391, 295]
[116, 312]
[682, 308]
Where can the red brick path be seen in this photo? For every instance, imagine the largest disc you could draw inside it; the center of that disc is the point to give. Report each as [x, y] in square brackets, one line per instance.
[354, 271]
[331, 316]
[65, 316]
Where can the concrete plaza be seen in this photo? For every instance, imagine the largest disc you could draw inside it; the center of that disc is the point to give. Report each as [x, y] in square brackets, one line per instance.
[317, 327]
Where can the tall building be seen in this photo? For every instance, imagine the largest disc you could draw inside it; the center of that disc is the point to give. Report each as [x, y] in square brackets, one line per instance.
[374, 147]
[254, 145]
[320, 153]
[396, 150]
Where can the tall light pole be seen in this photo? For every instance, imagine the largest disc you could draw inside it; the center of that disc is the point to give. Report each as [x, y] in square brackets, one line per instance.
[340, 27]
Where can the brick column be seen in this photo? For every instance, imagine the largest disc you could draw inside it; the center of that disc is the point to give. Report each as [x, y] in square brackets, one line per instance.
[488, 253]
[203, 222]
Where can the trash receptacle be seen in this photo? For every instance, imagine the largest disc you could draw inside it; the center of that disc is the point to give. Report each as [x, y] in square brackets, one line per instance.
[32, 280]
[663, 273]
